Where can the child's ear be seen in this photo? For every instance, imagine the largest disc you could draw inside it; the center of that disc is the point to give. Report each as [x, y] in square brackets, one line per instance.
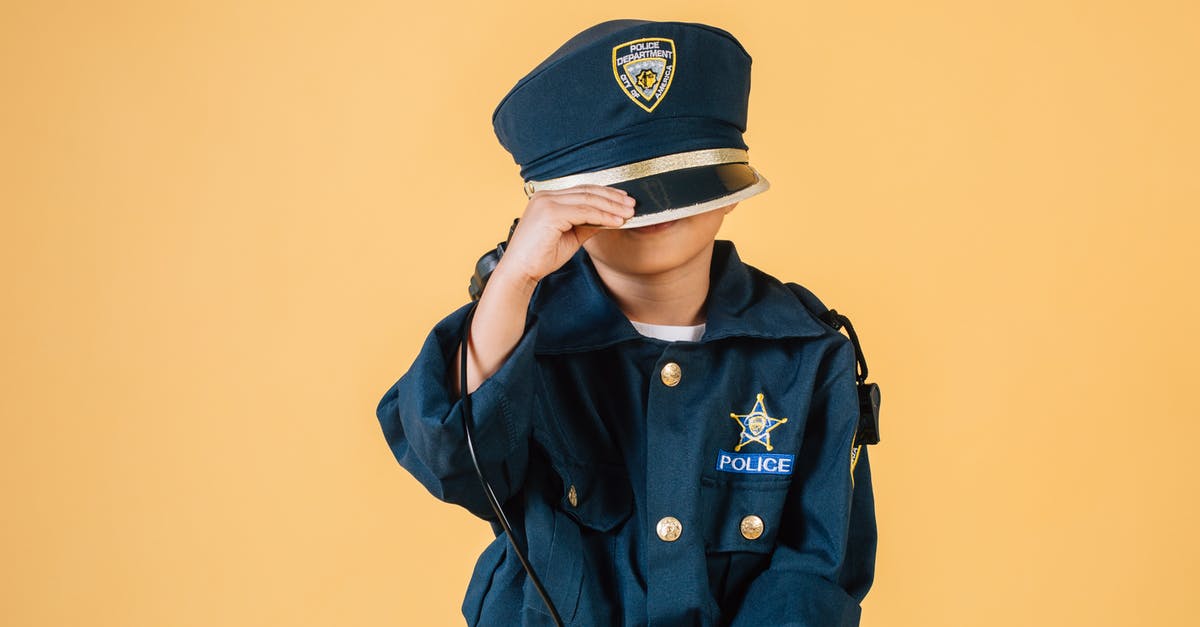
[725, 210]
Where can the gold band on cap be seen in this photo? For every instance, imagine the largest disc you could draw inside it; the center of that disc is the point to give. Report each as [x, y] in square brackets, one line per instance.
[642, 169]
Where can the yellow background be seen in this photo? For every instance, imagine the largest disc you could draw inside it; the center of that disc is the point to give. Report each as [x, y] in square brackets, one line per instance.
[227, 227]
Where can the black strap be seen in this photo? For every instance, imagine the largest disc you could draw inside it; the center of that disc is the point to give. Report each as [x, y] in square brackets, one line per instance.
[487, 263]
[868, 393]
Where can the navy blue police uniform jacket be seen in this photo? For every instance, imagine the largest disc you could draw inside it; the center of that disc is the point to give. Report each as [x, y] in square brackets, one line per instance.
[742, 454]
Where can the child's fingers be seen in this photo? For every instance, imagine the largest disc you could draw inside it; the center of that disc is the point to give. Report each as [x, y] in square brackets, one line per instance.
[606, 198]
[602, 190]
[585, 192]
[583, 214]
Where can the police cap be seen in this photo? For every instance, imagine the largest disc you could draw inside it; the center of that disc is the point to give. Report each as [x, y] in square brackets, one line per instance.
[654, 108]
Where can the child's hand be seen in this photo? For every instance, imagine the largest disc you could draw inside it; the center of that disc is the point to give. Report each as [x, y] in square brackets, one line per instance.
[554, 226]
[556, 223]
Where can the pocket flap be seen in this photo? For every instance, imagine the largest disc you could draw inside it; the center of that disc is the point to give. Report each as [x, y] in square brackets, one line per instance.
[597, 496]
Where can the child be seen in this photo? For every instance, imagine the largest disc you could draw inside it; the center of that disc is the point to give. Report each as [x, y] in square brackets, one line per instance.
[671, 432]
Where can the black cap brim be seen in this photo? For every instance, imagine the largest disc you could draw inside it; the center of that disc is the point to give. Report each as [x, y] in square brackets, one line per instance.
[681, 193]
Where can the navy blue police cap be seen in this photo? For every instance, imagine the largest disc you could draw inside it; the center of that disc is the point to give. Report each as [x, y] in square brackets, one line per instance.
[654, 108]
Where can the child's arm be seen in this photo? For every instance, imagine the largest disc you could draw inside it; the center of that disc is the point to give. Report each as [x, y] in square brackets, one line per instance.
[421, 415]
[554, 226]
[824, 561]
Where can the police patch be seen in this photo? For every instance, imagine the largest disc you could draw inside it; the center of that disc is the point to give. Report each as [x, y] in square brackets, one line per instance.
[756, 429]
[756, 425]
[755, 463]
[644, 69]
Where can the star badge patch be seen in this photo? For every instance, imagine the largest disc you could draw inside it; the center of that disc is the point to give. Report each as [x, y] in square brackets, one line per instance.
[756, 426]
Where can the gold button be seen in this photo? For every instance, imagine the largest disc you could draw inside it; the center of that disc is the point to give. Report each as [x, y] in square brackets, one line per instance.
[572, 497]
[669, 529]
[671, 374]
[752, 527]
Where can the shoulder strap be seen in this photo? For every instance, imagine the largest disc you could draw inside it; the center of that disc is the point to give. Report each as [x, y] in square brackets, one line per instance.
[868, 393]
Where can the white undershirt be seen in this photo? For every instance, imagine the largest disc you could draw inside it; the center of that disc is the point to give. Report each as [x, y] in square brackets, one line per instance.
[670, 332]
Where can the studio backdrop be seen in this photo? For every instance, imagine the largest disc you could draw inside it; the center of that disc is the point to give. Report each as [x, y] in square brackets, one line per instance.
[228, 226]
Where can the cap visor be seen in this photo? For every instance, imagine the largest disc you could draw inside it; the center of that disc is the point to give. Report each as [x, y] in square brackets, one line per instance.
[681, 193]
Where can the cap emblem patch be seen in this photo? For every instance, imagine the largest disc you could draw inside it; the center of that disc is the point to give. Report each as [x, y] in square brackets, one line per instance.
[644, 69]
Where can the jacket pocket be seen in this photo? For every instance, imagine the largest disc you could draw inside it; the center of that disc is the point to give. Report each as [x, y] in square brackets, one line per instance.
[596, 496]
[576, 496]
[741, 514]
[557, 558]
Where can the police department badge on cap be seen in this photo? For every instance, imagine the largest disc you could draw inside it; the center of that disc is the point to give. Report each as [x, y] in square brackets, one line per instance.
[644, 69]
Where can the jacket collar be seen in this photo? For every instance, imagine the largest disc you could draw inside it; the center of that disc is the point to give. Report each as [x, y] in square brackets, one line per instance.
[573, 310]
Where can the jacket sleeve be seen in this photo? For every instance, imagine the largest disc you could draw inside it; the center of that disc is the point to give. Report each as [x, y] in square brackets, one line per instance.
[422, 420]
[824, 561]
